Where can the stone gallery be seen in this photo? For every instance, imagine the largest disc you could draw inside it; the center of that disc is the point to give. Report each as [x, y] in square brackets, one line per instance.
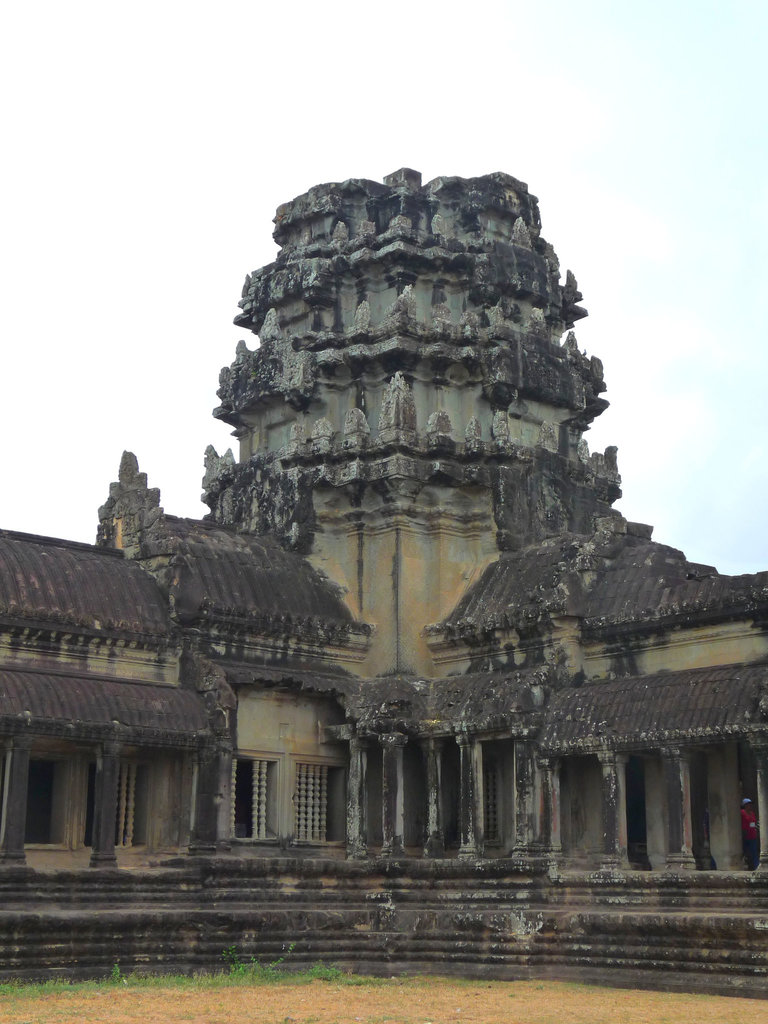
[413, 695]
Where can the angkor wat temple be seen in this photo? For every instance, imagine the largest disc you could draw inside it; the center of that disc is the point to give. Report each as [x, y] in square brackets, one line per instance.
[413, 695]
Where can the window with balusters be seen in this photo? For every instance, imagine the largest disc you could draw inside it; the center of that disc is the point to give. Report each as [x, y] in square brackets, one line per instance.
[318, 803]
[130, 824]
[254, 787]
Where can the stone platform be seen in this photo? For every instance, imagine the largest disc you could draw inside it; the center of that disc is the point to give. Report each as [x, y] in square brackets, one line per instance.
[702, 931]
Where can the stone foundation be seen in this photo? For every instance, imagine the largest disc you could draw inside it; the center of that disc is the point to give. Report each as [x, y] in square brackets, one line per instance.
[698, 932]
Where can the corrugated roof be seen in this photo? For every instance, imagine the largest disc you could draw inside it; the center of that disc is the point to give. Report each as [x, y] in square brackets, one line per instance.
[646, 711]
[82, 701]
[59, 581]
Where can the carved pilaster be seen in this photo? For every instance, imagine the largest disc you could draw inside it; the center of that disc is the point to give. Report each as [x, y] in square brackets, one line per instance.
[14, 819]
[392, 794]
[677, 785]
[207, 799]
[470, 796]
[549, 805]
[525, 808]
[357, 809]
[434, 845]
[105, 805]
[614, 809]
[760, 750]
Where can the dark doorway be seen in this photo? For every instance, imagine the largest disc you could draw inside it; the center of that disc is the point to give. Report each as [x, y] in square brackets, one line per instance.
[39, 801]
[637, 837]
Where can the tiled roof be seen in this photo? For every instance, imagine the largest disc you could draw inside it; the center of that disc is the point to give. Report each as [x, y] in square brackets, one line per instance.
[667, 707]
[57, 581]
[647, 580]
[218, 573]
[622, 579]
[518, 584]
[78, 703]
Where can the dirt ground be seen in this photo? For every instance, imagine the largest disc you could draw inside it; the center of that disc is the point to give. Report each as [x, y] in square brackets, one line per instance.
[398, 1001]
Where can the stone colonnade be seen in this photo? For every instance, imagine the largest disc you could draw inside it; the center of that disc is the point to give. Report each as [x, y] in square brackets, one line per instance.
[209, 763]
[535, 827]
[536, 799]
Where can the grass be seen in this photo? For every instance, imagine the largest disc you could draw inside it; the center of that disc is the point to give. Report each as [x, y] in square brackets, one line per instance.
[238, 973]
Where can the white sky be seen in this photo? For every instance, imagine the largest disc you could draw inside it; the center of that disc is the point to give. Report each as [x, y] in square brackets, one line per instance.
[147, 145]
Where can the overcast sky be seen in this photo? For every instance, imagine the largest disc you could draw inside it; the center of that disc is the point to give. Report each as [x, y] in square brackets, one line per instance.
[147, 145]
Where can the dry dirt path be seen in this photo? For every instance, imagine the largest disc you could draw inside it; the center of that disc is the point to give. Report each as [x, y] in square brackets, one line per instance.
[407, 1001]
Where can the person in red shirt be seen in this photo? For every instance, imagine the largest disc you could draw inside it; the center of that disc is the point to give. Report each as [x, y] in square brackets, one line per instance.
[749, 834]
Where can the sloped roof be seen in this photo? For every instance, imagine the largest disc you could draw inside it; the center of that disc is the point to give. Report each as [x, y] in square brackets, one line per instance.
[56, 581]
[73, 705]
[607, 581]
[666, 707]
[648, 580]
[218, 573]
[518, 586]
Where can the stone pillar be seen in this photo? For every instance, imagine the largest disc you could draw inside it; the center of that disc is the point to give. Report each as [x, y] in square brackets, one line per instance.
[760, 750]
[357, 803]
[392, 794]
[434, 844]
[207, 800]
[549, 805]
[677, 786]
[470, 796]
[14, 818]
[525, 811]
[724, 800]
[105, 805]
[614, 809]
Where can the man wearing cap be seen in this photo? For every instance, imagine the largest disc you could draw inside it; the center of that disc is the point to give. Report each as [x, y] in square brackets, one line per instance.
[749, 834]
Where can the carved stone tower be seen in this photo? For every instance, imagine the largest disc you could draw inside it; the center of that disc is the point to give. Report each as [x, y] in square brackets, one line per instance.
[411, 410]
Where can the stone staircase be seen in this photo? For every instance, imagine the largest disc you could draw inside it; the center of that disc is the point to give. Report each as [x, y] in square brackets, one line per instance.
[706, 931]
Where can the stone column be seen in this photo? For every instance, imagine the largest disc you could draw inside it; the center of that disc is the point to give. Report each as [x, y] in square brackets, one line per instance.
[357, 803]
[677, 786]
[549, 805]
[392, 794]
[14, 819]
[724, 816]
[105, 805]
[760, 750]
[434, 845]
[614, 809]
[470, 796]
[525, 811]
[207, 800]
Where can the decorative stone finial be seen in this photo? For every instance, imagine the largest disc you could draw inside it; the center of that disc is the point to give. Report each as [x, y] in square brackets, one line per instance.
[398, 410]
[521, 234]
[340, 232]
[131, 509]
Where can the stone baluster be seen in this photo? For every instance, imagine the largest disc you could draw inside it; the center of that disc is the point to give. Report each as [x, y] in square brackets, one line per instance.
[677, 785]
[105, 798]
[434, 845]
[392, 794]
[614, 809]
[14, 819]
[357, 804]
[470, 796]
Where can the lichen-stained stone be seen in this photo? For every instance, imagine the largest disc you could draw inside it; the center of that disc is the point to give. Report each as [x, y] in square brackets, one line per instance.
[413, 690]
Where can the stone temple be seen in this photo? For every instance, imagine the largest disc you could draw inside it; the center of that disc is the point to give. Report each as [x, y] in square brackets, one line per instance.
[413, 695]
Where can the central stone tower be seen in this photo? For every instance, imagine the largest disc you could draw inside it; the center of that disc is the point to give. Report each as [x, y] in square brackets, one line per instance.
[412, 411]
